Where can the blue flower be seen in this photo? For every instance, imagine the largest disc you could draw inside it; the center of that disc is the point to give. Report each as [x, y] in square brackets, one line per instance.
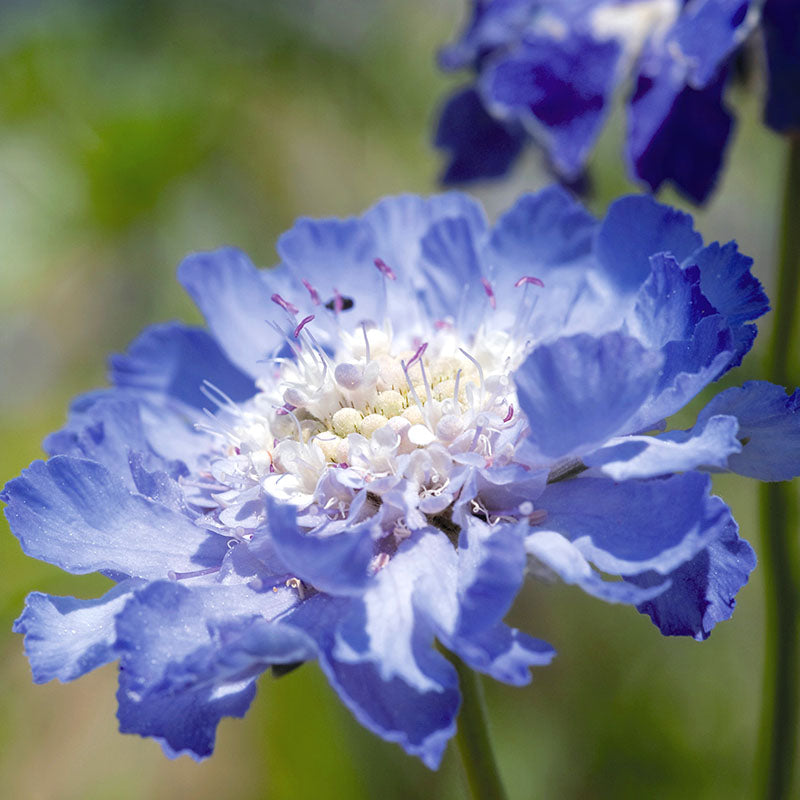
[371, 445]
[548, 69]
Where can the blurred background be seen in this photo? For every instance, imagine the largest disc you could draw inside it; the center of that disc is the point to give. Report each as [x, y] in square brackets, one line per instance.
[132, 133]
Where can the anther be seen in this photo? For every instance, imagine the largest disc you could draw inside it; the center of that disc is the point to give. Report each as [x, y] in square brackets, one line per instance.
[284, 304]
[297, 584]
[487, 287]
[302, 325]
[510, 413]
[385, 269]
[528, 279]
[312, 291]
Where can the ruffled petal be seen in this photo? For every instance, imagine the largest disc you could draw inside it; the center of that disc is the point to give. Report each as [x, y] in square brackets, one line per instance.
[75, 514]
[554, 554]
[491, 567]
[190, 656]
[478, 145]
[66, 637]
[709, 444]
[504, 653]
[337, 563]
[176, 361]
[636, 228]
[628, 528]
[769, 428]
[678, 133]
[560, 87]
[421, 720]
[579, 391]
[235, 300]
[702, 591]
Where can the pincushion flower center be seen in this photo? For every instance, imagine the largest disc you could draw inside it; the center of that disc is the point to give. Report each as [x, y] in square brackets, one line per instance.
[375, 400]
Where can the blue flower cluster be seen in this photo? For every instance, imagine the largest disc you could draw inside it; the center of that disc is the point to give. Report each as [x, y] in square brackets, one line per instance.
[373, 443]
[548, 69]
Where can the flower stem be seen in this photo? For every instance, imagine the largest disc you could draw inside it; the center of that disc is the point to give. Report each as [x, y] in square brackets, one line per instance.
[779, 551]
[473, 740]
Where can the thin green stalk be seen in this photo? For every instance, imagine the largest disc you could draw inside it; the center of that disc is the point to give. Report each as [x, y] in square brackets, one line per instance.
[473, 740]
[780, 561]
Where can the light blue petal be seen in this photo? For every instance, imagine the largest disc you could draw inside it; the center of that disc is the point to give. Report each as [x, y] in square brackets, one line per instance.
[538, 234]
[504, 653]
[337, 563]
[66, 637]
[491, 567]
[186, 722]
[578, 391]
[708, 444]
[636, 228]
[558, 555]
[75, 514]
[769, 428]
[669, 304]
[337, 255]
[702, 591]
[235, 301]
[422, 721]
[628, 528]
[416, 590]
[175, 360]
[452, 264]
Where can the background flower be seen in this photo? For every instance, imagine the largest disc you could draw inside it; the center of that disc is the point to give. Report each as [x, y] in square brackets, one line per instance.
[549, 70]
[416, 413]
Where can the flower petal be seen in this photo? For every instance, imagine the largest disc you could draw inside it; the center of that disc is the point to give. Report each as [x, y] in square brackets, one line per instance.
[628, 528]
[769, 427]
[75, 514]
[636, 228]
[578, 391]
[66, 637]
[479, 146]
[560, 87]
[337, 563]
[235, 300]
[176, 361]
[702, 591]
[708, 444]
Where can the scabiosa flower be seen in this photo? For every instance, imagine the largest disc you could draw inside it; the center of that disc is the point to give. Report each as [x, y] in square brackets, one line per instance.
[548, 69]
[373, 443]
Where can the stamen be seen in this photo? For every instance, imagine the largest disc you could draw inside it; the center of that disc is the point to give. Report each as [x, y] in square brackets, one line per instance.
[284, 304]
[510, 413]
[312, 291]
[218, 397]
[487, 287]
[456, 405]
[477, 365]
[297, 584]
[179, 576]
[338, 301]
[411, 388]
[420, 352]
[366, 341]
[385, 269]
[302, 325]
[528, 279]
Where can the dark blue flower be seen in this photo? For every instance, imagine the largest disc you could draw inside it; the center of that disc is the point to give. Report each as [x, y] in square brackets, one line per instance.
[374, 441]
[550, 68]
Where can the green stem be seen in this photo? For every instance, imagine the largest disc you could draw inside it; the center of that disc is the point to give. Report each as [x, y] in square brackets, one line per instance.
[473, 740]
[779, 556]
